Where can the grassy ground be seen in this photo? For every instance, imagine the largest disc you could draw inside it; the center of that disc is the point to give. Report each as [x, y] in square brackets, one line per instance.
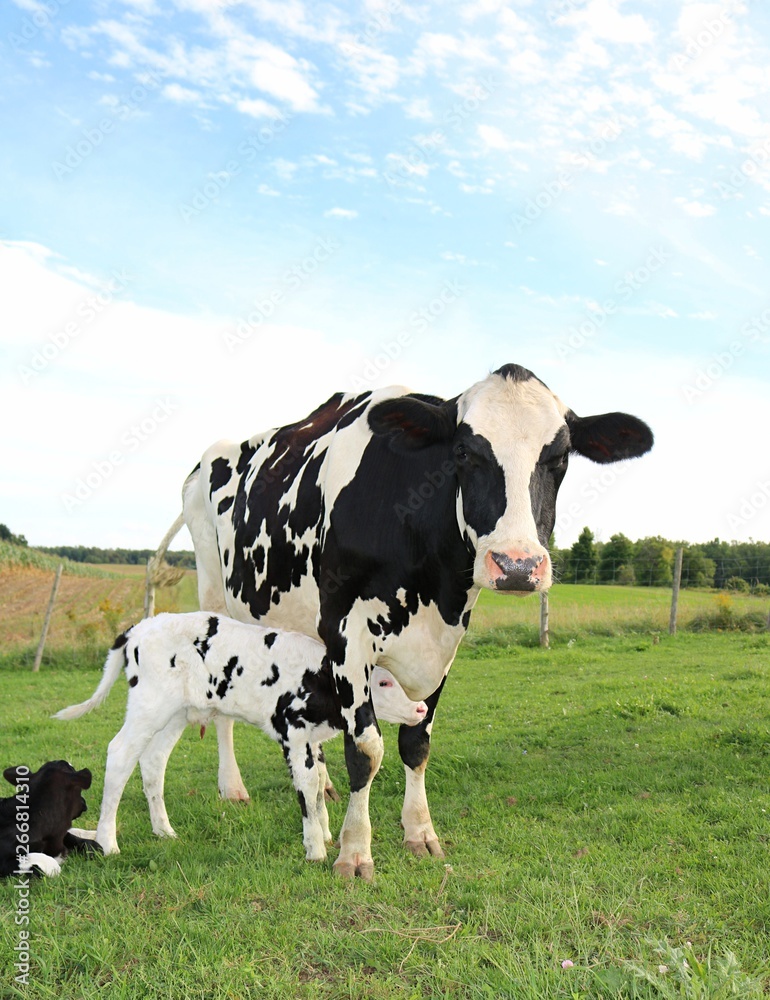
[601, 803]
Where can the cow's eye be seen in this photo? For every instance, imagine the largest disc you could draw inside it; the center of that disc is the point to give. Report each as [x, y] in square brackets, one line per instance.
[385, 684]
[461, 453]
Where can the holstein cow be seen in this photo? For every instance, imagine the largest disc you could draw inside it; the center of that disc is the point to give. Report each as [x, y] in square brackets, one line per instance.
[373, 524]
[198, 667]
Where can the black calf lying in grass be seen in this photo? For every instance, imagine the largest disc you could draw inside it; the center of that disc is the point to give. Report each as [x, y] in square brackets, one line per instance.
[35, 822]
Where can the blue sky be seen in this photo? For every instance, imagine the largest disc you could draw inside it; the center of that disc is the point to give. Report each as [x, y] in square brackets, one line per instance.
[217, 213]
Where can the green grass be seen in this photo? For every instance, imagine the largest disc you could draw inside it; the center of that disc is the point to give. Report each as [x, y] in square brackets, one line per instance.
[603, 802]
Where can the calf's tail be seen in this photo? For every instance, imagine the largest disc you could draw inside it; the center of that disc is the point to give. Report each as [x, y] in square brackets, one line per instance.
[113, 665]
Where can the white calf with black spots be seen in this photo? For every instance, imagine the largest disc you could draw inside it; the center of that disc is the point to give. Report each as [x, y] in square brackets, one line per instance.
[193, 668]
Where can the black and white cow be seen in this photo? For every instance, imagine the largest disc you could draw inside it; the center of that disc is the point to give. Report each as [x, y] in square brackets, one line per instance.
[373, 524]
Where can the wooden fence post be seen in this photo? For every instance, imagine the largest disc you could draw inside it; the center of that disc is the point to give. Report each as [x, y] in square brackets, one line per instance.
[675, 590]
[545, 639]
[47, 620]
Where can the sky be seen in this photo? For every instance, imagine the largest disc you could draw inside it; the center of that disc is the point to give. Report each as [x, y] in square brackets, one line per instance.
[216, 214]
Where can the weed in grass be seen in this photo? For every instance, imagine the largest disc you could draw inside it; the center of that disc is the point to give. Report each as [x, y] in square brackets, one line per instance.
[679, 973]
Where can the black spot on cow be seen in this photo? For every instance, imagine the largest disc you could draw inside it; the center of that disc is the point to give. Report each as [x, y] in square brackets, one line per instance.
[374, 628]
[133, 681]
[221, 474]
[226, 683]
[466, 619]
[121, 640]
[202, 645]
[224, 505]
[209, 694]
[269, 681]
[172, 662]
[358, 764]
[259, 559]
[226, 557]
[309, 761]
[345, 692]
[365, 717]
[302, 804]
[270, 639]
[136, 655]
[239, 671]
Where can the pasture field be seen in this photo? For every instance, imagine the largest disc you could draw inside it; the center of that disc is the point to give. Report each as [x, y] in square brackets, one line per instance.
[603, 803]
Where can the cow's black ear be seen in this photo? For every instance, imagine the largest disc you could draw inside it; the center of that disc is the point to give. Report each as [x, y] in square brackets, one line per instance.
[10, 774]
[414, 423]
[609, 437]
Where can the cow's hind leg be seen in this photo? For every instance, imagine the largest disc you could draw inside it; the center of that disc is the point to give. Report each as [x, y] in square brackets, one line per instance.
[153, 763]
[414, 746]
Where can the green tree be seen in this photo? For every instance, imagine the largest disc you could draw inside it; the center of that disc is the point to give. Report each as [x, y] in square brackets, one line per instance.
[697, 569]
[617, 553]
[654, 562]
[583, 558]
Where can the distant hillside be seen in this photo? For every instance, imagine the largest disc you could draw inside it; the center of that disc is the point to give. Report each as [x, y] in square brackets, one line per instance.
[22, 557]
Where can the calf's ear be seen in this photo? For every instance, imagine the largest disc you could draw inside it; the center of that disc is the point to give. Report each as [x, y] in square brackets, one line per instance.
[413, 423]
[82, 778]
[609, 437]
[10, 774]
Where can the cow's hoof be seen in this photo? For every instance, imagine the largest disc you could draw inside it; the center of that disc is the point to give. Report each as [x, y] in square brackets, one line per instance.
[424, 848]
[355, 869]
[331, 794]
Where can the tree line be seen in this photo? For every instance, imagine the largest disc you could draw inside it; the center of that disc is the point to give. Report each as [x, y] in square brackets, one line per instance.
[126, 557]
[649, 562]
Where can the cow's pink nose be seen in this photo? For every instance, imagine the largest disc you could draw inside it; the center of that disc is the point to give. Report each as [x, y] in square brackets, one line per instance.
[516, 570]
[422, 708]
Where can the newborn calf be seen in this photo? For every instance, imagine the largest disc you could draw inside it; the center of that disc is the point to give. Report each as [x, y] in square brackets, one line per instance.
[192, 667]
[35, 822]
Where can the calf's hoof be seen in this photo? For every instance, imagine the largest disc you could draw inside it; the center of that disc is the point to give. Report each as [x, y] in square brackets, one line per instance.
[424, 848]
[331, 794]
[355, 869]
[234, 795]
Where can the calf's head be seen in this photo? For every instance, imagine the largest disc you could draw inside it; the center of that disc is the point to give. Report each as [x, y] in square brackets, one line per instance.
[508, 439]
[55, 790]
[390, 701]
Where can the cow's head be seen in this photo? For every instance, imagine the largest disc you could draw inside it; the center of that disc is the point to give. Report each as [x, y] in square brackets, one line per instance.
[510, 439]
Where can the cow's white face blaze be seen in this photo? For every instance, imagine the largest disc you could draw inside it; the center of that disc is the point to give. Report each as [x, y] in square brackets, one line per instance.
[506, 497]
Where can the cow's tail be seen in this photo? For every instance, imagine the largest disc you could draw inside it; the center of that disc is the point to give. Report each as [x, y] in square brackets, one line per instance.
[168, 538]
[113, 665]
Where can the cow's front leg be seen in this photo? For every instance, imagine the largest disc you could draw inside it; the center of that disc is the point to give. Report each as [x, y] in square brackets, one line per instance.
[231, 784]
[414, 746]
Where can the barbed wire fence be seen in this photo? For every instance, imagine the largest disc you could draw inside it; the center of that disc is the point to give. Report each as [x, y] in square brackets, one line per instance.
[652, 573]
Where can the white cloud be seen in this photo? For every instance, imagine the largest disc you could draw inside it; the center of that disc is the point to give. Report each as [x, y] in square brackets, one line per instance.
[340, 213]
[175, 92]
[257, 108]
[699, 209]
[493, 137]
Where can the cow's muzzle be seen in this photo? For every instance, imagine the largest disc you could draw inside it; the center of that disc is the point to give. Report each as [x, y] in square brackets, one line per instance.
[518, 571]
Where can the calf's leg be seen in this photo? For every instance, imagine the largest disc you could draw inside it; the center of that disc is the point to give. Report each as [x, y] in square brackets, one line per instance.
[153, 763]
[124, 751]
[306, 778]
